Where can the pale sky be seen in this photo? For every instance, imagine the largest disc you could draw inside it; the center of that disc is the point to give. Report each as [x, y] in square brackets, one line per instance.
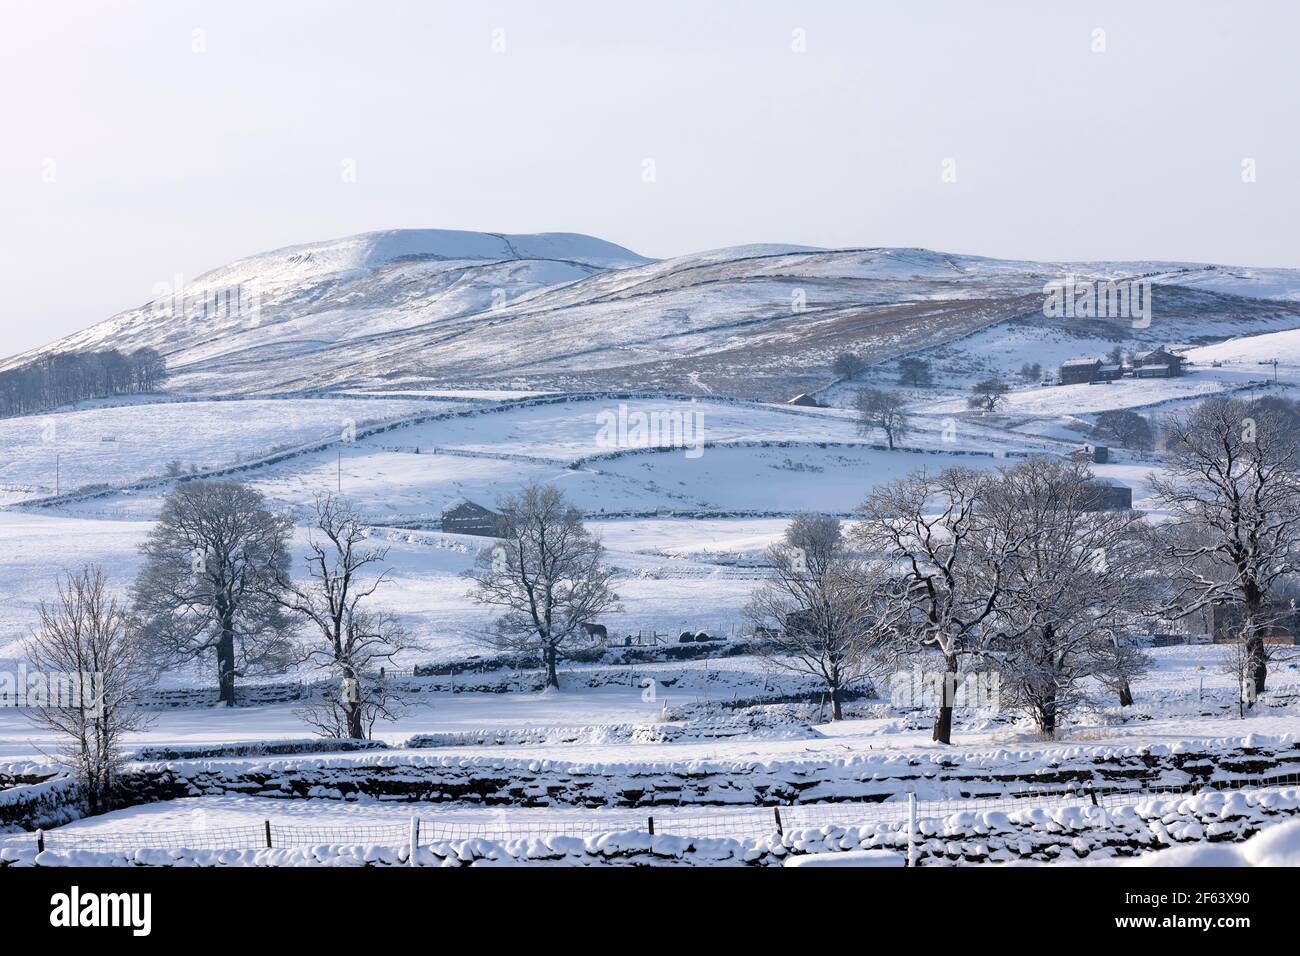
[133, 148]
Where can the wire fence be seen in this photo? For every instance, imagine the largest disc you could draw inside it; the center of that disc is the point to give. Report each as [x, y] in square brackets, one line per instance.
[703, 822]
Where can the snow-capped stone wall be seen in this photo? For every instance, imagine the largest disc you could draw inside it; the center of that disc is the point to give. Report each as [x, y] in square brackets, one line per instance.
[487, 780]
[1064, 835]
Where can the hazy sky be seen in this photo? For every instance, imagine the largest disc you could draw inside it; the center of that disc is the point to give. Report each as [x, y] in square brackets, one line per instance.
[141, 140]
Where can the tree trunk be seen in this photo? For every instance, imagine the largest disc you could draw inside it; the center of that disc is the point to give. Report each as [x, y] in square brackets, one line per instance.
[837, 713]
[1047, 717]
[1125, 695]
[552, 676]
[943, 722]
[352, 709]
[889, 436]
[1258, 667]
[226, 664]
[355, 730]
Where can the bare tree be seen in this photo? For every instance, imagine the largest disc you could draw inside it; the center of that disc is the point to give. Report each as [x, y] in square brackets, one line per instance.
[209, 580]
[1119, 664]
[60, 377]
[92, 658]
[848, 365]
[343, 571]
[824, 608]
[547, 573]
[987, 395]
[1232, 489]
[950, 561]
[879, 409]
[1077, 584]
[1126, 428]
[361, 700]
[1235, 662]
[914, 372]
[1031, 372]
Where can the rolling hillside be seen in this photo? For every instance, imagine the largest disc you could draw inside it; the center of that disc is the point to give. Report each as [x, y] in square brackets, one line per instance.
[420, 309]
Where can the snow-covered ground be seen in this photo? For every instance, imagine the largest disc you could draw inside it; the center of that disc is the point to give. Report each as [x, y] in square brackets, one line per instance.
[685, 514]
[120, 444]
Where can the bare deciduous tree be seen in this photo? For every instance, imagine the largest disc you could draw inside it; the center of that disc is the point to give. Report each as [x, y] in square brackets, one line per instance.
[1235, 662]
[1120, 663]
[211, 567]
[848, 365]
[91, 655]
[1031, 372]
[362, 700]
[343, 571]
[914, 372]
[826, 611]
[1078, 583]
[1124, 427]
[879, 409]
[60, 377]
[547, 573]
[949, 562]
[1232, 489]
[987, 395]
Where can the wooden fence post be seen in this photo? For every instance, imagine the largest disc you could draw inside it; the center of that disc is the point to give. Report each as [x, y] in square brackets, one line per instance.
[40, 841]
[652, 826]
[776, 811]
[267, 824]
[911, 829]
[415, 839]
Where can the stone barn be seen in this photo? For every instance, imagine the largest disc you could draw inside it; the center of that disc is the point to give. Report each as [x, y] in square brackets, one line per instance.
[1158, 363]
[1110, 496]
[468, 517]
[1091, 454]
[1079, 371]
[1280, 626]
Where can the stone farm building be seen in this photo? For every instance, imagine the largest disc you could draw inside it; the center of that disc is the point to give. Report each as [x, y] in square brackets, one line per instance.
[1281, 625]
[1110, 496]
[1085, 371]
[1157, 364]
[1078, 371]
[1093, 454]
[468, 517]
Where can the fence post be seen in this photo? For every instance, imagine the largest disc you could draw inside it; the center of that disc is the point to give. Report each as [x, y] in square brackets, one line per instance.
[267, 824]
[40, 841]
[652, 826]
[911, 829]
[780, 830]
[415, 839]
[1092, 792]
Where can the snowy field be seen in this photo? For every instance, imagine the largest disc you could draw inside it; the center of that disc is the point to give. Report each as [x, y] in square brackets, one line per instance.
[1053, 400]
[121, 444]
[1185, 698]
[685, 522]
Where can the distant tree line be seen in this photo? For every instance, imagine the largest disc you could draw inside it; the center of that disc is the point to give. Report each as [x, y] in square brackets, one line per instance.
[64, 377]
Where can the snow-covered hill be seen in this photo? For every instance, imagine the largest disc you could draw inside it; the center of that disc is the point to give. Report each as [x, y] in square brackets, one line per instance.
[415, 309]
[299, 299]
